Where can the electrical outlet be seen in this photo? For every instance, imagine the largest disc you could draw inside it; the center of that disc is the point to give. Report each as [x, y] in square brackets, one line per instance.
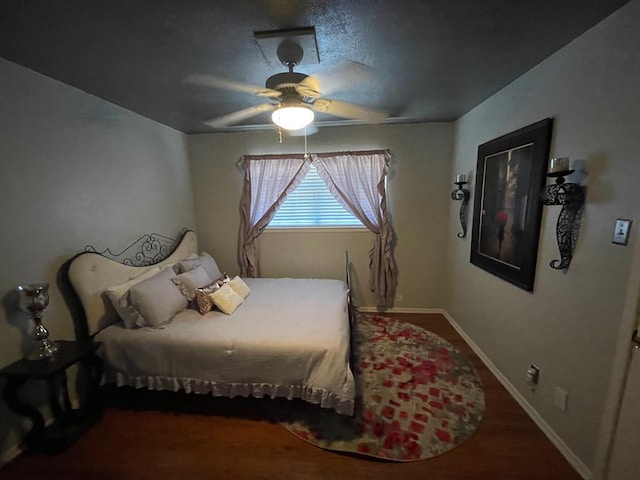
[621, 231]
[533, 375]
[561, 399]
[399, 298]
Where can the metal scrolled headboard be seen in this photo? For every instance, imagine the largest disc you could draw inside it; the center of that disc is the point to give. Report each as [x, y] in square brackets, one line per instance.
[148, 249]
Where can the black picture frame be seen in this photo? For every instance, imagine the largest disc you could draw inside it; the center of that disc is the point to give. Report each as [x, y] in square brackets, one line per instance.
[510, 174]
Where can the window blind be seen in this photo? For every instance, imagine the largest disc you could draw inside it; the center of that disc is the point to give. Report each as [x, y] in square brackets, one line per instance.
[312, 205]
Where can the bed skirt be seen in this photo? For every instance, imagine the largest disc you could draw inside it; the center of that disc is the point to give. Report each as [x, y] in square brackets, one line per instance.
[316, 396]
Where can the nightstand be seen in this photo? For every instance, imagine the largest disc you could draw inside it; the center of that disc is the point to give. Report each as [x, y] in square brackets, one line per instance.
[68, 423]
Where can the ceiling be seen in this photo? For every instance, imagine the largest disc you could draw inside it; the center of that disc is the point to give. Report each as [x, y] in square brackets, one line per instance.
[430, 60]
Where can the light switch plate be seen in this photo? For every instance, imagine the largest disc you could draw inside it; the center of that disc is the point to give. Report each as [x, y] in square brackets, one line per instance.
[621, 231]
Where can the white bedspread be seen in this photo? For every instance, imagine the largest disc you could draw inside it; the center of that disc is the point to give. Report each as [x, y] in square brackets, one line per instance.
[290, 338]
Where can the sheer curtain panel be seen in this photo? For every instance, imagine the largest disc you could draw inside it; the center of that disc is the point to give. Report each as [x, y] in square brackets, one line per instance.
[268, 179]
[358, 181]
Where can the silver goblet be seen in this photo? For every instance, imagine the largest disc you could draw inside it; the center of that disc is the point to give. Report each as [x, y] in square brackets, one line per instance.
[34, 299]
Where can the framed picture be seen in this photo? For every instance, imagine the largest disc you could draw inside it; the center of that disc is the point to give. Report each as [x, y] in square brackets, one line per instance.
[510, 174]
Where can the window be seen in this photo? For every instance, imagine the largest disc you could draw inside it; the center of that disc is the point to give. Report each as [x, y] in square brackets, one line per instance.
[311, 205]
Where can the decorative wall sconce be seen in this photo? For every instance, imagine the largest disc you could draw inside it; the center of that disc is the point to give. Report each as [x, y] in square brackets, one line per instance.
[571, 196]
[34, 298]
[461, 193]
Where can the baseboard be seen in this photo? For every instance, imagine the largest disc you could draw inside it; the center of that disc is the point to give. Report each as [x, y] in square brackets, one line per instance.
[399, 310]
[571, 457]
[14, 450]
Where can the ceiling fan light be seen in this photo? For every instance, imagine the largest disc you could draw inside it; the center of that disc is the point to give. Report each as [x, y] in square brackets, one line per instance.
[292, 118]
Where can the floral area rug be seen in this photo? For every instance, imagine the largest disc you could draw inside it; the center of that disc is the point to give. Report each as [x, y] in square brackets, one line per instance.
[417, 397]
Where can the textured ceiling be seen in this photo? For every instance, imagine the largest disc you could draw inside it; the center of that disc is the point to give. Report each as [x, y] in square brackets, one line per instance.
[431, 60]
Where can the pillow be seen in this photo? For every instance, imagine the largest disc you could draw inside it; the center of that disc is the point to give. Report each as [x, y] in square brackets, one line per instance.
[240, 287]
[119, 297]
[157, 299]
[226, 299]
[176, 266]
[205, 260]
[205, 304]
[187, 282]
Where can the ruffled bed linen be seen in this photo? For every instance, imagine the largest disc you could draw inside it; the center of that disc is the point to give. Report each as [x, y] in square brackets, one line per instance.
[290, 338]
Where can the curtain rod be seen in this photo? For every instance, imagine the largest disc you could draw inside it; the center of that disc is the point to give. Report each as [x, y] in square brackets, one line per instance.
[275, 156]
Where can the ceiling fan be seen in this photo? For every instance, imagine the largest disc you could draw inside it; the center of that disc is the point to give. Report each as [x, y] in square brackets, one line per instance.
[294, 96]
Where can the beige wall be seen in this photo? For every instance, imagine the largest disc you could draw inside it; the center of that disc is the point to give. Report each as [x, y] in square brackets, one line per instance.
[568, 326]
[419, 186]
[75, 170]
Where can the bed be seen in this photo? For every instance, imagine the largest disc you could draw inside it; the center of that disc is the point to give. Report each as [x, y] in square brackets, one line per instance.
[290, 338]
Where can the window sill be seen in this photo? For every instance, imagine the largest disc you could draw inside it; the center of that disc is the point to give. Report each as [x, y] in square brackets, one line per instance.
[315, 230]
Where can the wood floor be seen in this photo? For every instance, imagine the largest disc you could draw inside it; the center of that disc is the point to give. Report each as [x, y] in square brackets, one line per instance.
[164, 435]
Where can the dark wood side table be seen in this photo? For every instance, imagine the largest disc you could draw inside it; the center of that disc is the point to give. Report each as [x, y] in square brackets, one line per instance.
[68, 423]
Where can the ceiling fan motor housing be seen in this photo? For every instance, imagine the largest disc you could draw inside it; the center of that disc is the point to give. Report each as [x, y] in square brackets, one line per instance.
[290, 98]
[288, 78]
[290, 53]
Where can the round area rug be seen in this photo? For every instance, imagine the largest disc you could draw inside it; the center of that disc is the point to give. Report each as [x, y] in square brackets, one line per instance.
[417, 397]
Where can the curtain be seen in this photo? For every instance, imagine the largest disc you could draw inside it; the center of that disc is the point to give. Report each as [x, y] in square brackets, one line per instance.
[357, 181]
[267, 182]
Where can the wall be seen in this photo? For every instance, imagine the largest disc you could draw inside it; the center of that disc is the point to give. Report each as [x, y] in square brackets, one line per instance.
[568, 326]
[76, 170]
[419, 186]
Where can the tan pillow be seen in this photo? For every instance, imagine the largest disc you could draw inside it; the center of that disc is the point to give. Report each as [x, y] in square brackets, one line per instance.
[240, 287]
[226, 299]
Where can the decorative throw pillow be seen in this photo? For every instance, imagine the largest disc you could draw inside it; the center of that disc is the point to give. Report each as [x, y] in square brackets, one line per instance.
[158, 299]
[226, 299]
[187, 282]
[205, 260]
[240, 287]
[203, 299]
[120, 299]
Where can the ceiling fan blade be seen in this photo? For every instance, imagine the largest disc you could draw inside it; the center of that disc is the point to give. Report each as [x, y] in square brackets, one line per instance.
[216, 82]
[240, 115]
[348, 110]
[309, 87]
[343, 77]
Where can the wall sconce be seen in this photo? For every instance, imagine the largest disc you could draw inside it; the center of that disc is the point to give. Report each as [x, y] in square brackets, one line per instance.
[461, 194]
[571, 196]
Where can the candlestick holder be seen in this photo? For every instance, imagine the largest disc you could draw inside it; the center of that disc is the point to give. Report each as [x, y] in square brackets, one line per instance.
[34, 299]
[571, 196]
[461, 194]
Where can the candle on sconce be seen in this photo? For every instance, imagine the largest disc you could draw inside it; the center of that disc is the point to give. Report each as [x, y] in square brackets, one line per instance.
[461, 178]
[560, 164]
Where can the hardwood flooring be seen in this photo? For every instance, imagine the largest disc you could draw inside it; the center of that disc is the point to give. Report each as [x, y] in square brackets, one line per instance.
[164, 435]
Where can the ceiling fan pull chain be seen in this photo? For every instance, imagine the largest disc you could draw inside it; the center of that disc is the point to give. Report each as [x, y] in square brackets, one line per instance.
[306, 153]
[279, 135]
